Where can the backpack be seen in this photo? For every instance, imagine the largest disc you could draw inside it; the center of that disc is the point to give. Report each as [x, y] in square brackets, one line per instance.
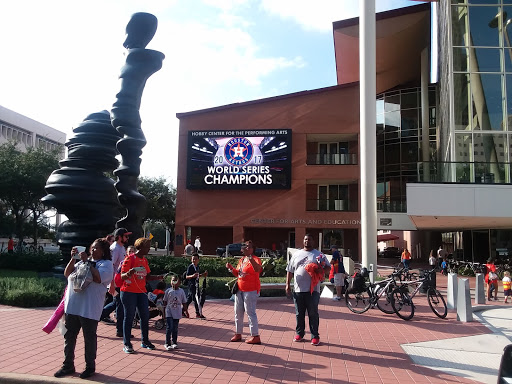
[356, 283]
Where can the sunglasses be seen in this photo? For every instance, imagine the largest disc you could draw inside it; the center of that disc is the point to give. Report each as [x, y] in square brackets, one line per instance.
[246, 246]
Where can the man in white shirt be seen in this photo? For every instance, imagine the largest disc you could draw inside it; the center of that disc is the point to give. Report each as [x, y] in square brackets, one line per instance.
[305, 298]
[197, 244]
[118, 252]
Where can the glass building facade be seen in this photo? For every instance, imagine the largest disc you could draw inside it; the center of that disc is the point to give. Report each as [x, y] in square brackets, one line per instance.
[476, 85]
[399, 152]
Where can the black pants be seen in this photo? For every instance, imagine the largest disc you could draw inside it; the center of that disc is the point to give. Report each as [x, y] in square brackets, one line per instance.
[89, 327]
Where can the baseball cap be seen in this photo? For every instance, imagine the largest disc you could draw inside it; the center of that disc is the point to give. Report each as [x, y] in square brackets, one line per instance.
[121, 232]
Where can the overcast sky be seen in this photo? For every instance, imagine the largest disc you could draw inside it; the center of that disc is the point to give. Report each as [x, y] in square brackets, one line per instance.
[61, 59]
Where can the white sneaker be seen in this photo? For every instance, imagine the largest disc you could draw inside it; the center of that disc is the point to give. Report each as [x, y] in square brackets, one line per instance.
[334, 298]
[338, 298]
[174, 346]
[168, 347]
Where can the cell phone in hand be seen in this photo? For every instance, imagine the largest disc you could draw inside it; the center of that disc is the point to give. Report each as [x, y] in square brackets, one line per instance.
[79, 249]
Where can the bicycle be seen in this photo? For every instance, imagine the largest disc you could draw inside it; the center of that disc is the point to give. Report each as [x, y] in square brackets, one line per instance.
[401, 298]
[23, 247]
[360, 299]
[470, 269]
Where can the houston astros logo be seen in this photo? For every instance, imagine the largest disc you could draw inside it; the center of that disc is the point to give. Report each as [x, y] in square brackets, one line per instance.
[238, 151]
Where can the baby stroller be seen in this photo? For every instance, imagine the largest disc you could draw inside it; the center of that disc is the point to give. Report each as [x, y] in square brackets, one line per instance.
[156, 308]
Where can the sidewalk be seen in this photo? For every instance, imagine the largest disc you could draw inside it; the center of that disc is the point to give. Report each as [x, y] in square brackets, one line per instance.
[369, 348]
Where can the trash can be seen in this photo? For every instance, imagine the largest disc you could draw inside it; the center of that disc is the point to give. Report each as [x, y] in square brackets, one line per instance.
[429, 283]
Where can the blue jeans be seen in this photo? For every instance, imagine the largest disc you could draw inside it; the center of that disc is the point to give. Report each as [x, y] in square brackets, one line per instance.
[192, 289]
[172, 330]
[305, 301]
[406, 263]
[131, 301]
[116, 305]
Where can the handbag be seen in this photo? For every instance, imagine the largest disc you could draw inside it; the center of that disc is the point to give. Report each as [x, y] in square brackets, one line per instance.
[235, 288]
[81, 277]
[492, 276]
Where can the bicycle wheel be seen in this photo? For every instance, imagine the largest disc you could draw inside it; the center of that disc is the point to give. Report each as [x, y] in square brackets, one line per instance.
[384, 302]
[401, 302]
[358, 302]
[437, 303]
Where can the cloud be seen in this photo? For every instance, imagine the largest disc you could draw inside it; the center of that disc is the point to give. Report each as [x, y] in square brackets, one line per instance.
[312, 15]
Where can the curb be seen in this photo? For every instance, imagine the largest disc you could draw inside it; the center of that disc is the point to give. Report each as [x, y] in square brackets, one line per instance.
[17, 378]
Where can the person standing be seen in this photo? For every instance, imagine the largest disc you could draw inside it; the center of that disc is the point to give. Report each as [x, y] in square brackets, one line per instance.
[432, 260]
[118, 251]
[507, 282]
[491, 278]
[134, 272]
[304, 299]
[189, 248]
[10, 245]
[174, 298]
[248, 272]
[406, 258]
[338, 272]
[197, 244]
[441, 254]
[193, 274]
[83, 309]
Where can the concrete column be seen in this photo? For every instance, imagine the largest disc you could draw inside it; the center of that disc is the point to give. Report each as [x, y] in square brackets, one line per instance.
[180, 239]
[464, 308]
[368, 137]
[238, 234]
[451, 299]
[479, 289]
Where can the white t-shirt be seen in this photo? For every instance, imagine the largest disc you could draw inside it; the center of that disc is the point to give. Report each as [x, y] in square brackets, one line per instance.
[197, 244]
[118, 253]
[175, 300]
[297, 264]
[89, 302]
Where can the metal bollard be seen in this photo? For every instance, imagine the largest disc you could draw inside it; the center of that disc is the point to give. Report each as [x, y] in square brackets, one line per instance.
[464, 308]
[479, 289]
[451, 299]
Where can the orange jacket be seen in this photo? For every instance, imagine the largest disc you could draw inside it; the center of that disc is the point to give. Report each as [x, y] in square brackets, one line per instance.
[406, 255]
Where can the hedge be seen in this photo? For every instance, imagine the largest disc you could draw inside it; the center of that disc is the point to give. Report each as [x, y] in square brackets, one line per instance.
[40, 262]
[29, 292]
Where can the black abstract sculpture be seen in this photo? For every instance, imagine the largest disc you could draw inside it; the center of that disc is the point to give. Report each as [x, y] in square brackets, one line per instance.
[141, 63]
[80, 189]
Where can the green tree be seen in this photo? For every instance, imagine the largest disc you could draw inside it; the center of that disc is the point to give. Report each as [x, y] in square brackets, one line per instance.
[24, 176]
[161, 201]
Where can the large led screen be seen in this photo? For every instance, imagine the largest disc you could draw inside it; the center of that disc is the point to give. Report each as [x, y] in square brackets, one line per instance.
[247, 159]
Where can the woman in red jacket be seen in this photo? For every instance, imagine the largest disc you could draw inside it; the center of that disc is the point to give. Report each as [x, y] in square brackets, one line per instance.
[248, 273]
[491, 278]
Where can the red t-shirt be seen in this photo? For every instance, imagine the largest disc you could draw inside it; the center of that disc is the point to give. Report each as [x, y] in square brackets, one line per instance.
[136, 283]
[248, 278]
[10, 245]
